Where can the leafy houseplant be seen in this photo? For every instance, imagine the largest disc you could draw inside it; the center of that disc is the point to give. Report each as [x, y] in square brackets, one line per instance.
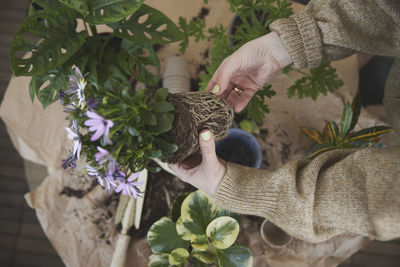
[333, 137]
[198, 232]
[252, 20]
[117, 130]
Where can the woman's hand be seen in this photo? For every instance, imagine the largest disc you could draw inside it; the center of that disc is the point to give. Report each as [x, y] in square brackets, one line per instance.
[204, 171]
[248, 70]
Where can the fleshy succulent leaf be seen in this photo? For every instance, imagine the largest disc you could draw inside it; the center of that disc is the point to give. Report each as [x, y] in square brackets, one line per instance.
[223, 232]
[236, 256]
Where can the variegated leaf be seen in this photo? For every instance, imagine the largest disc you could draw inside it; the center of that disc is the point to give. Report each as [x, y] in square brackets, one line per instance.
[356, 108]
[237, 256]
[178, 256]
[369, 133]
[318, 149]
[331, 132]
[207, 256]
[199, 242]
[184, 233]
[312, 133]
[345, 122]
[223, 232]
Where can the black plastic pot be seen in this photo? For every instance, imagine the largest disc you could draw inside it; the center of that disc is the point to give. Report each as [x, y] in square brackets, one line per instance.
[240, 147]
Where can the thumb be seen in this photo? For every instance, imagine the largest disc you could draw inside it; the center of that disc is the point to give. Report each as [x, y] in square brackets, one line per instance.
[207, 146]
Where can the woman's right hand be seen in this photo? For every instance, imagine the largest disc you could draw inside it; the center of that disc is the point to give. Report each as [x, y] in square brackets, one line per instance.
[248, 70]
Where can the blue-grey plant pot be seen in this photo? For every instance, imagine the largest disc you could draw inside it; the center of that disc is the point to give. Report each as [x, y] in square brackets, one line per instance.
[240, 147]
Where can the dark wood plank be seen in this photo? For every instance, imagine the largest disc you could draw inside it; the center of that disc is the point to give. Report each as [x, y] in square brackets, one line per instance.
[6, 257]
[12, 171]
[383, 248]
[29, 215]
[9, 227]
[16, 15]
[36, 259]
[19, 4]
[11, 199]
[11, 157]
[8, 241]
[373, 260]
[30, 244]
[10, 213]
[32, 230]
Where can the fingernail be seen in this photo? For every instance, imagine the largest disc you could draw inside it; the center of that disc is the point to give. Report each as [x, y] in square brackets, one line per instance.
[206, 136]
[215, 89]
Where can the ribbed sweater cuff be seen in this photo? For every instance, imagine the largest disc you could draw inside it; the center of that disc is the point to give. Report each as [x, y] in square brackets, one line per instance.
[300, 36]
[240, 191]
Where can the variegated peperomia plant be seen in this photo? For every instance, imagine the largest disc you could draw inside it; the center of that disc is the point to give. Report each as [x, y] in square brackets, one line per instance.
[198, 233]
[333, 137]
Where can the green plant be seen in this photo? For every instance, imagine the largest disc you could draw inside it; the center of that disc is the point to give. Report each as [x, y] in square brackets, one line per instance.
[47, 44]
[335, 137]
[255, 16]
[198, 232]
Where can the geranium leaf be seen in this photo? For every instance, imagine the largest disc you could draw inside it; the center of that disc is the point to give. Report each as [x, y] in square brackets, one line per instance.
[162, 236]
[237, 256]
[156, 28]
[223, 232]
[58, 42]
[197, 211]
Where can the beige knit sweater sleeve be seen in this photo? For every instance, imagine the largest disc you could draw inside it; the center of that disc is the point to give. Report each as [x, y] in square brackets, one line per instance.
[356, 191]
[333, 29]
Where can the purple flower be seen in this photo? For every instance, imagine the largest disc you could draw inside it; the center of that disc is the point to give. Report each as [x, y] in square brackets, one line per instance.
[70, 161]
[128, 186]
[107, 184]
[74, 135]
[98, 124]
[112, 175]
[92, 104]
[77, 84]
[102, 156]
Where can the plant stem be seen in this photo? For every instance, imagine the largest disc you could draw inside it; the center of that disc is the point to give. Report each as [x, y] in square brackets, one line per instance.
[302, 72]
[93, 29]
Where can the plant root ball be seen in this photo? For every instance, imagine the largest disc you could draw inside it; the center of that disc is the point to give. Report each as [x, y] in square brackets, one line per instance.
[194, 112]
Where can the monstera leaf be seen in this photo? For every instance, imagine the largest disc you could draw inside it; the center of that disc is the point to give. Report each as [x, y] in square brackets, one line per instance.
[102, 11]
[58, 42]
[147, 26]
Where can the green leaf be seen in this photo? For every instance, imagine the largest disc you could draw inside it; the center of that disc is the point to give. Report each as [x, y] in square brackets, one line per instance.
[155, 29]
[330, 133]
[182, 231]
[162, 106]
[161, 95]
[197, 211]
[199, 242]
[176, 206]
[104, 12]
[155, 153]
[81, 6]
[159, 260]
[136, 59]
[312, 134]
[178, 256]
[320, 80]
[148, 117]
[38, 5]
[223, 232]
[237, 256]
[256, 109]
[369, 133]
[58, 42]
[164, 123]
[345, 122]
[356, 108]
[162, 236]
[246, 125]
[207, 256]
[317, 149]
[166, 147]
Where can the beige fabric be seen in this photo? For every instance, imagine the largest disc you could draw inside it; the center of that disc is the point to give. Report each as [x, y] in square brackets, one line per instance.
[356, 191]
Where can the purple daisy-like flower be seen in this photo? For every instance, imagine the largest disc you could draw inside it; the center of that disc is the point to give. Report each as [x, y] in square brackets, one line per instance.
[70, 161]
[102, 156]
[92, 104]
[128, 186]
[74, 135]
[112, 175]
[77, 84]
[98, 124]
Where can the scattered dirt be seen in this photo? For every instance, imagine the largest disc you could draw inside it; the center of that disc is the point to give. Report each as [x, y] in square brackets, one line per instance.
[202, 14]
[162, 188]
[83, 185]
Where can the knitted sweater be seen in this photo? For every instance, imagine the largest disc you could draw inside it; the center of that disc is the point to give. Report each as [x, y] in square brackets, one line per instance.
[352, 190]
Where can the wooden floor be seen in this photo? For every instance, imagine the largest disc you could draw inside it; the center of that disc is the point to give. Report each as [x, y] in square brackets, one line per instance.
[22, 241]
